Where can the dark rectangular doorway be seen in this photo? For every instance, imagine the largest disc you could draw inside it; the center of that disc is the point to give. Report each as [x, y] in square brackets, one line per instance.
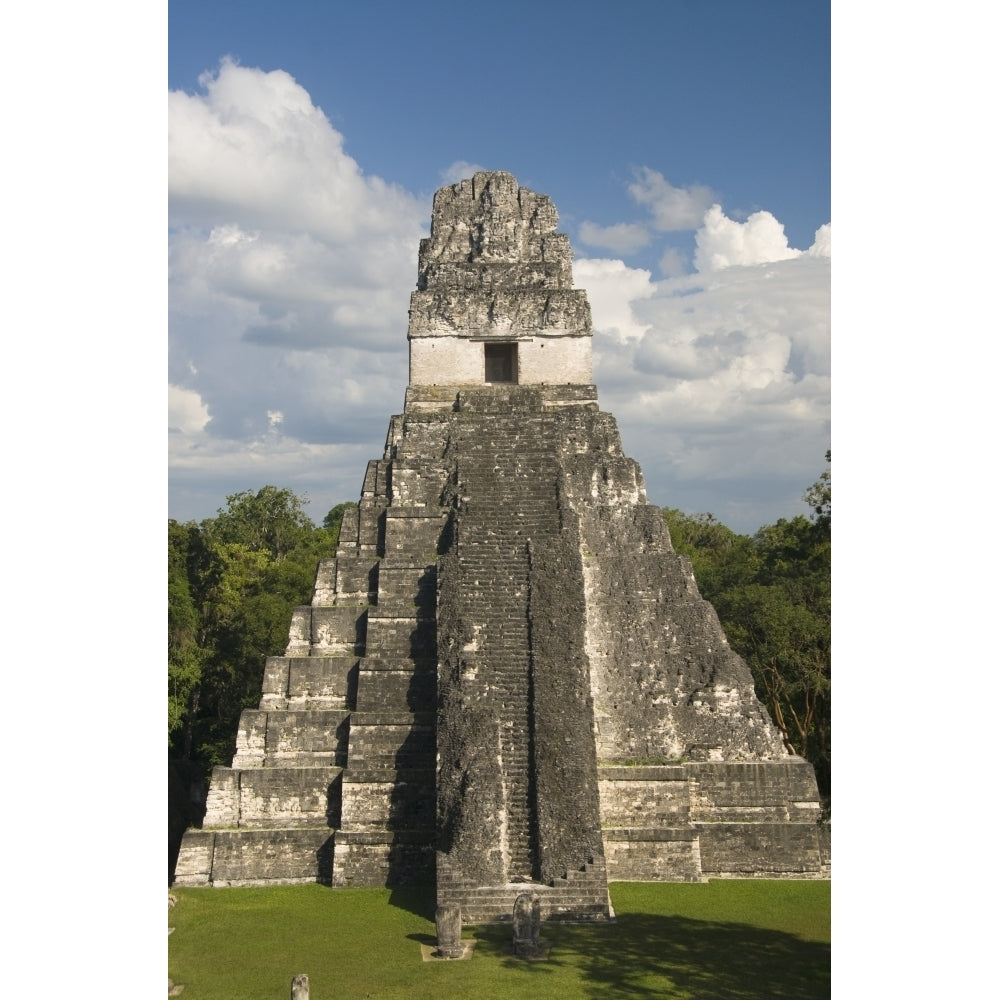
[501, 362]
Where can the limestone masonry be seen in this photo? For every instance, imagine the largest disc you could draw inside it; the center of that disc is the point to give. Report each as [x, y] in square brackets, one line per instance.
[507, 679]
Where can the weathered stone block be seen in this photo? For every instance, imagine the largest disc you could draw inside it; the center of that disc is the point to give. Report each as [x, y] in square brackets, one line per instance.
[300, 632]
[448, 923]
[527, 921]
[273, 856]
[337, 631]
[373, 858]
[395, 690]
[194, 862]
[756, 791]
[760, 849]
[355, 582]
[326, 582]
[222, 807]
[401, 800]
[275, 687]
[653, 855]
[644, 796]
[349, 528]
[391, 633]
[322, 682]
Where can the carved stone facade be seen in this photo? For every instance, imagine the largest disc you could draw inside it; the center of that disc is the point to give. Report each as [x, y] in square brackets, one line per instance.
[495, 285]
[507, 678]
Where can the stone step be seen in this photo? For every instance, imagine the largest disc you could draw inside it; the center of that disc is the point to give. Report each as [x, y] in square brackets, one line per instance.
[349, 578]
[495, 904]
[588, 875]
[410, 531]
[327, 631]
[383, 858]
[377, 479]
[265, 737]
[381, 738]
[396, 690]
[266, 856]
[397, 635]
[309, 682]
[388, 799]
[273, 796]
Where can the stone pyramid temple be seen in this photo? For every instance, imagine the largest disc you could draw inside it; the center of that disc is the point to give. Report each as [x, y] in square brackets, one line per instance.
[507, 678]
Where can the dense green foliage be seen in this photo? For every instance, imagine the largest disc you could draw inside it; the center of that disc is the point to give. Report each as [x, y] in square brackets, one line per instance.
[233, 581]
[753, 940]
[772, 593]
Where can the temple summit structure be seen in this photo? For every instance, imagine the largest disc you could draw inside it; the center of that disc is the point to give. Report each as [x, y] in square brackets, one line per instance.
[507, 678]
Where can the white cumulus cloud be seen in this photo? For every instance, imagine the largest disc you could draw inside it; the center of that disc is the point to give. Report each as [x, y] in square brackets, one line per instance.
[723, 242]
[460, 170]
[251, 146]
[623, 237]
[613, 290]
[821, 244]
[672, 208]
[290, 274]
[673, 263]
[720, 380]
[186, 413]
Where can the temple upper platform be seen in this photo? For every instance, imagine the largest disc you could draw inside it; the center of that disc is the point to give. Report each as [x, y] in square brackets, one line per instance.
[495, 302]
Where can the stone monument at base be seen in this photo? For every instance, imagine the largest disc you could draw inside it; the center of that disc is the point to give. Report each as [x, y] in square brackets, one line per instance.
[448, 923]
[507, 680]
[527, 921]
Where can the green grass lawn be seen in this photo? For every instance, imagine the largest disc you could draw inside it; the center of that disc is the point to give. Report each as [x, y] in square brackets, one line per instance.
[721, 940]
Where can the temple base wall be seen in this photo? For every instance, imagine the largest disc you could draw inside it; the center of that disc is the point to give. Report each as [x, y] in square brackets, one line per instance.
[254, 857]
[714, 819]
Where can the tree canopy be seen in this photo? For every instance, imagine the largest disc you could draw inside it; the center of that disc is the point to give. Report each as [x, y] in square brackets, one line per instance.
[772, 593]
[233, 581]
[272, 520]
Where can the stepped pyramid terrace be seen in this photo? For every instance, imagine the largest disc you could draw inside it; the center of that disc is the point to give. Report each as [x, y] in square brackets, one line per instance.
[507, 678]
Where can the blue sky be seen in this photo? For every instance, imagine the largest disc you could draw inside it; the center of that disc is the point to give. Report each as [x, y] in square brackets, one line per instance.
[686, 147]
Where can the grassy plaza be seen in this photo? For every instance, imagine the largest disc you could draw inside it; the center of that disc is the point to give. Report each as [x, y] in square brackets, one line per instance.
[720, 940]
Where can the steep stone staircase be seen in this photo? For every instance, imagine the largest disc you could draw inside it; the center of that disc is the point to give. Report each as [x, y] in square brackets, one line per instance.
[333, 778]
[505, 490]
[387, 821]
